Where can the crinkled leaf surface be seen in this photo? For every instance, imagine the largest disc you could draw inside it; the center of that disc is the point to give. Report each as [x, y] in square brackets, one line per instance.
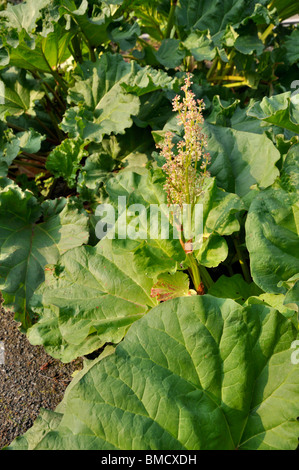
[91, 297]
[19, 94]
[200, 46]
[291, 299]
[11, 145]
[125, 35]
[241, 159]
[95, 27]
[141, 190]
[161, 252]
[97, 169]
[290, 170]
[215, 15]
[24, 15]
[280, 110]
[131, 149]
[170, 53]
[43, 52]
[45, 422]
[292, 47]
[170, 286]
[195, 373]
[103, 105]
[272, 238]
[28, 243]
[273, 300]
[234, 287]
[143, 80]
[223, 112]
[64, 160]
[219, 211]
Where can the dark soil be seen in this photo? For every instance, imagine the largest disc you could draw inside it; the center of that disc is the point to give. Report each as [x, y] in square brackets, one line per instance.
[29, 380]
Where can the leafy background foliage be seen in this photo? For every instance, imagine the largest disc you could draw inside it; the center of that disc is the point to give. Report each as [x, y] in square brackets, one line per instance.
[85, 95]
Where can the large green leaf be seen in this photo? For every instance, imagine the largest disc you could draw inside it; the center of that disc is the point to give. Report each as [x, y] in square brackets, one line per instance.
[32, 235]
[170, 53]
[41, 53]
[196, 373]
[285, 8]
[272, 238]
[97, 169]
[241, 159]
[24, 15]
[275, 301]
[155, 251]
[292, 47]
[291, 299]
[102, 105]
[64, 160]
[219, 210]
[125, 35]
[91, 297]
[234, 287]
[132, 149]
[18, 94]
[280, 110]
[143, 80]
[217, 14]
[290, 170]
[12, 144]
[94, 28]
[200, 46]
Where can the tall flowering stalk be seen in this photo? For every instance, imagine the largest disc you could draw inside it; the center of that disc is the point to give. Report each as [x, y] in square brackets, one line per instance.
[184, 182]
[186, 165]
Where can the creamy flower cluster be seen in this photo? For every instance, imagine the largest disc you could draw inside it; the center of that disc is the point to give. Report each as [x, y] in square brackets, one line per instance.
[186, 162]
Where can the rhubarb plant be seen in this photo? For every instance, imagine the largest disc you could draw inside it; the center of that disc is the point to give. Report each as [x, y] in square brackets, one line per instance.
[149, 217]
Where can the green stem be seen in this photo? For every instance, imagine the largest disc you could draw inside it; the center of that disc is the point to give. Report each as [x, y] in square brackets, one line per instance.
[49, 104]
[212, 68]
[206, 278]
[267, 32]
[55, 75]
[194, 272]
[46, 84]
[170, 22]
[56, 125]
[242, 262]
[231, 78]
[77, 54]
[235, 84]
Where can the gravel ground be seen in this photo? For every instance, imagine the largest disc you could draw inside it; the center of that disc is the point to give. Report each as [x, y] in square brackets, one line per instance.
[29, 380]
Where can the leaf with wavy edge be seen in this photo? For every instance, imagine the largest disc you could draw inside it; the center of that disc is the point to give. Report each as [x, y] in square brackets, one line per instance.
[281, 110]
[195, 373]
[90, 298]
[102, 107]
[27, 243]
[272, 238]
